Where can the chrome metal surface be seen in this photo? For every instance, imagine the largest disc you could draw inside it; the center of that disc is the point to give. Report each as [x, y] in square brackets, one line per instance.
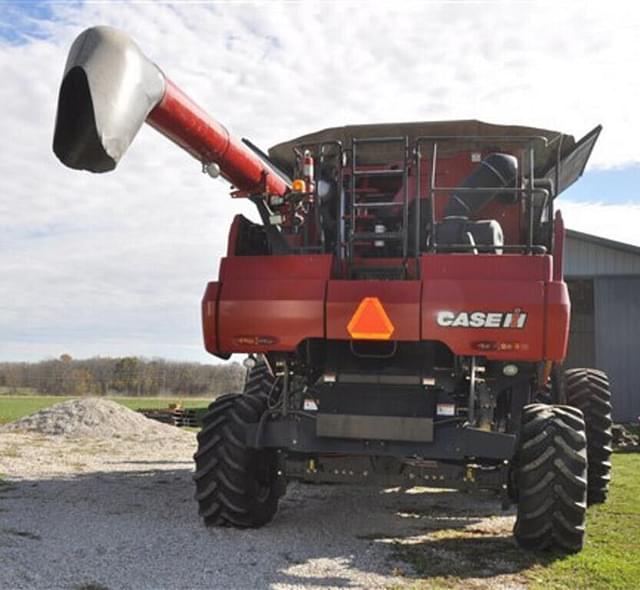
[108, 89]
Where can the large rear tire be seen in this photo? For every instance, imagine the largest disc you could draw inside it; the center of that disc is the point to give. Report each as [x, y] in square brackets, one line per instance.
[588, 390]
[551, 479]
[260, 380]
[235, 484]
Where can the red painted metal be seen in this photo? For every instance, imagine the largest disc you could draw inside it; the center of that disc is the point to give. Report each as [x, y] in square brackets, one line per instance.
[488, 267]
[274, 268]
[476, 295]
[558, 248]
[185, 123]
[210, 317]
[269, 315]
[274, 303]
[558, 311]
[271, 302]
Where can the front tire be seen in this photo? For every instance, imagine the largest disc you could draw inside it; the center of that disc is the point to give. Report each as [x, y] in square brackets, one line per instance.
[588, 390]
[235, 484]
[551, 479]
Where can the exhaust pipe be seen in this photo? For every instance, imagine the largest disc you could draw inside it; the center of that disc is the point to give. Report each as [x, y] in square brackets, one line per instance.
[110, 88]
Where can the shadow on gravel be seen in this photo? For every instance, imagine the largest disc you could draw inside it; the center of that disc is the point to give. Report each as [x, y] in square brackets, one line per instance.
[458, 535]
[146, 521]
[468, 554]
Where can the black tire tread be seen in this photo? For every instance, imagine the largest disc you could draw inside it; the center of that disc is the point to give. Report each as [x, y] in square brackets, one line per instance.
[589, 391]
[551, 479]
[226, 468]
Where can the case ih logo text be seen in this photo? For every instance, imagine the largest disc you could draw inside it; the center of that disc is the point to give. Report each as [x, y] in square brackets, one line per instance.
[482, 319]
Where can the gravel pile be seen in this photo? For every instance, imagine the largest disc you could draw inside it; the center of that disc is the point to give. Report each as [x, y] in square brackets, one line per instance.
[93, 418]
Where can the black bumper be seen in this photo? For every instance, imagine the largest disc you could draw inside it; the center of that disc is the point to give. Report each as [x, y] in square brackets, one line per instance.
[450, 441]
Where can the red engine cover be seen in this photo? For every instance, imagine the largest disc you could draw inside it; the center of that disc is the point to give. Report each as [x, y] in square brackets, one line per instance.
[500, 307]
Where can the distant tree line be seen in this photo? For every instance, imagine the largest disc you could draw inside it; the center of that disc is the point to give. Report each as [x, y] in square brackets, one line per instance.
[121, 376]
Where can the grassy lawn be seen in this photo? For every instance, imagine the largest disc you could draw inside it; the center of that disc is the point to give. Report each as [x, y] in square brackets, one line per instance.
[14, 407]
[610, 559]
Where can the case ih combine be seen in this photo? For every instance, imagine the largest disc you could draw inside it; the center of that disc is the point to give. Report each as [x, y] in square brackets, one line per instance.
[402, 303]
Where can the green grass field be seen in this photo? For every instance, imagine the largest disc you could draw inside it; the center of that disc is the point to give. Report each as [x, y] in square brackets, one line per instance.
[14, 407]
[610, 559]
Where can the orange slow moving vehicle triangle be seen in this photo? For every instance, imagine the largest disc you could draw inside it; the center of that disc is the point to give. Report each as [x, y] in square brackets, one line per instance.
[370, 321]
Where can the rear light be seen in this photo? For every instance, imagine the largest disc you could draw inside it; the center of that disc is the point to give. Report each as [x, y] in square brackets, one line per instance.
[299, 186]
[491, 346]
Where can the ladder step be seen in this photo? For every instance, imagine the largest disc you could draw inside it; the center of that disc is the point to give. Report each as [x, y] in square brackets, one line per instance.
[381, 204]
[375, 195]
[370, 235]
[360, 173]
[367, 190]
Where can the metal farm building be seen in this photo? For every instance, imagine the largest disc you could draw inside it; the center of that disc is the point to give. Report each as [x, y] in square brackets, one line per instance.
[604, 282]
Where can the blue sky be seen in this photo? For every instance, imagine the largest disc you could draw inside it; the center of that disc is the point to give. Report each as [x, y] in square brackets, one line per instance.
[617, 185]
[117, 263]
[20, 19]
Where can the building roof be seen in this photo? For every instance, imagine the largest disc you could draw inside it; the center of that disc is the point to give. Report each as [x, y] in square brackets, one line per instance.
[587, 255]
[607, 243]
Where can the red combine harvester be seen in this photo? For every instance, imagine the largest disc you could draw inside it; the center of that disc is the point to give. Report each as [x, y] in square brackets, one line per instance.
[402, 303]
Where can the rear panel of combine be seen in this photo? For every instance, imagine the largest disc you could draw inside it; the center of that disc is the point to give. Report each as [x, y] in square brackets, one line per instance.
[501, 307]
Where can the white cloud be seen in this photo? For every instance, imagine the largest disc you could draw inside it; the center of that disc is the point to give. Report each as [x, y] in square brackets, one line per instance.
[116, 263]
[616, 222]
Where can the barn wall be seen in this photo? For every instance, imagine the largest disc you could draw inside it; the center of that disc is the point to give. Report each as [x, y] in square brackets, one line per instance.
[617, 328]
[584, 258]
[605, 333]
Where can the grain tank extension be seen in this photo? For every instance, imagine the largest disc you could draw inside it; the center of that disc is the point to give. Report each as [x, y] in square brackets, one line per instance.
[401, 300]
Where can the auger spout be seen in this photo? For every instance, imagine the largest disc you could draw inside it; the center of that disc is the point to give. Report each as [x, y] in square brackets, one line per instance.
[110, 88]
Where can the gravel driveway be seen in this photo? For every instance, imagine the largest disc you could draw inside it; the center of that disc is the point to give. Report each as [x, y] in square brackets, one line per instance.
[118, 513]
